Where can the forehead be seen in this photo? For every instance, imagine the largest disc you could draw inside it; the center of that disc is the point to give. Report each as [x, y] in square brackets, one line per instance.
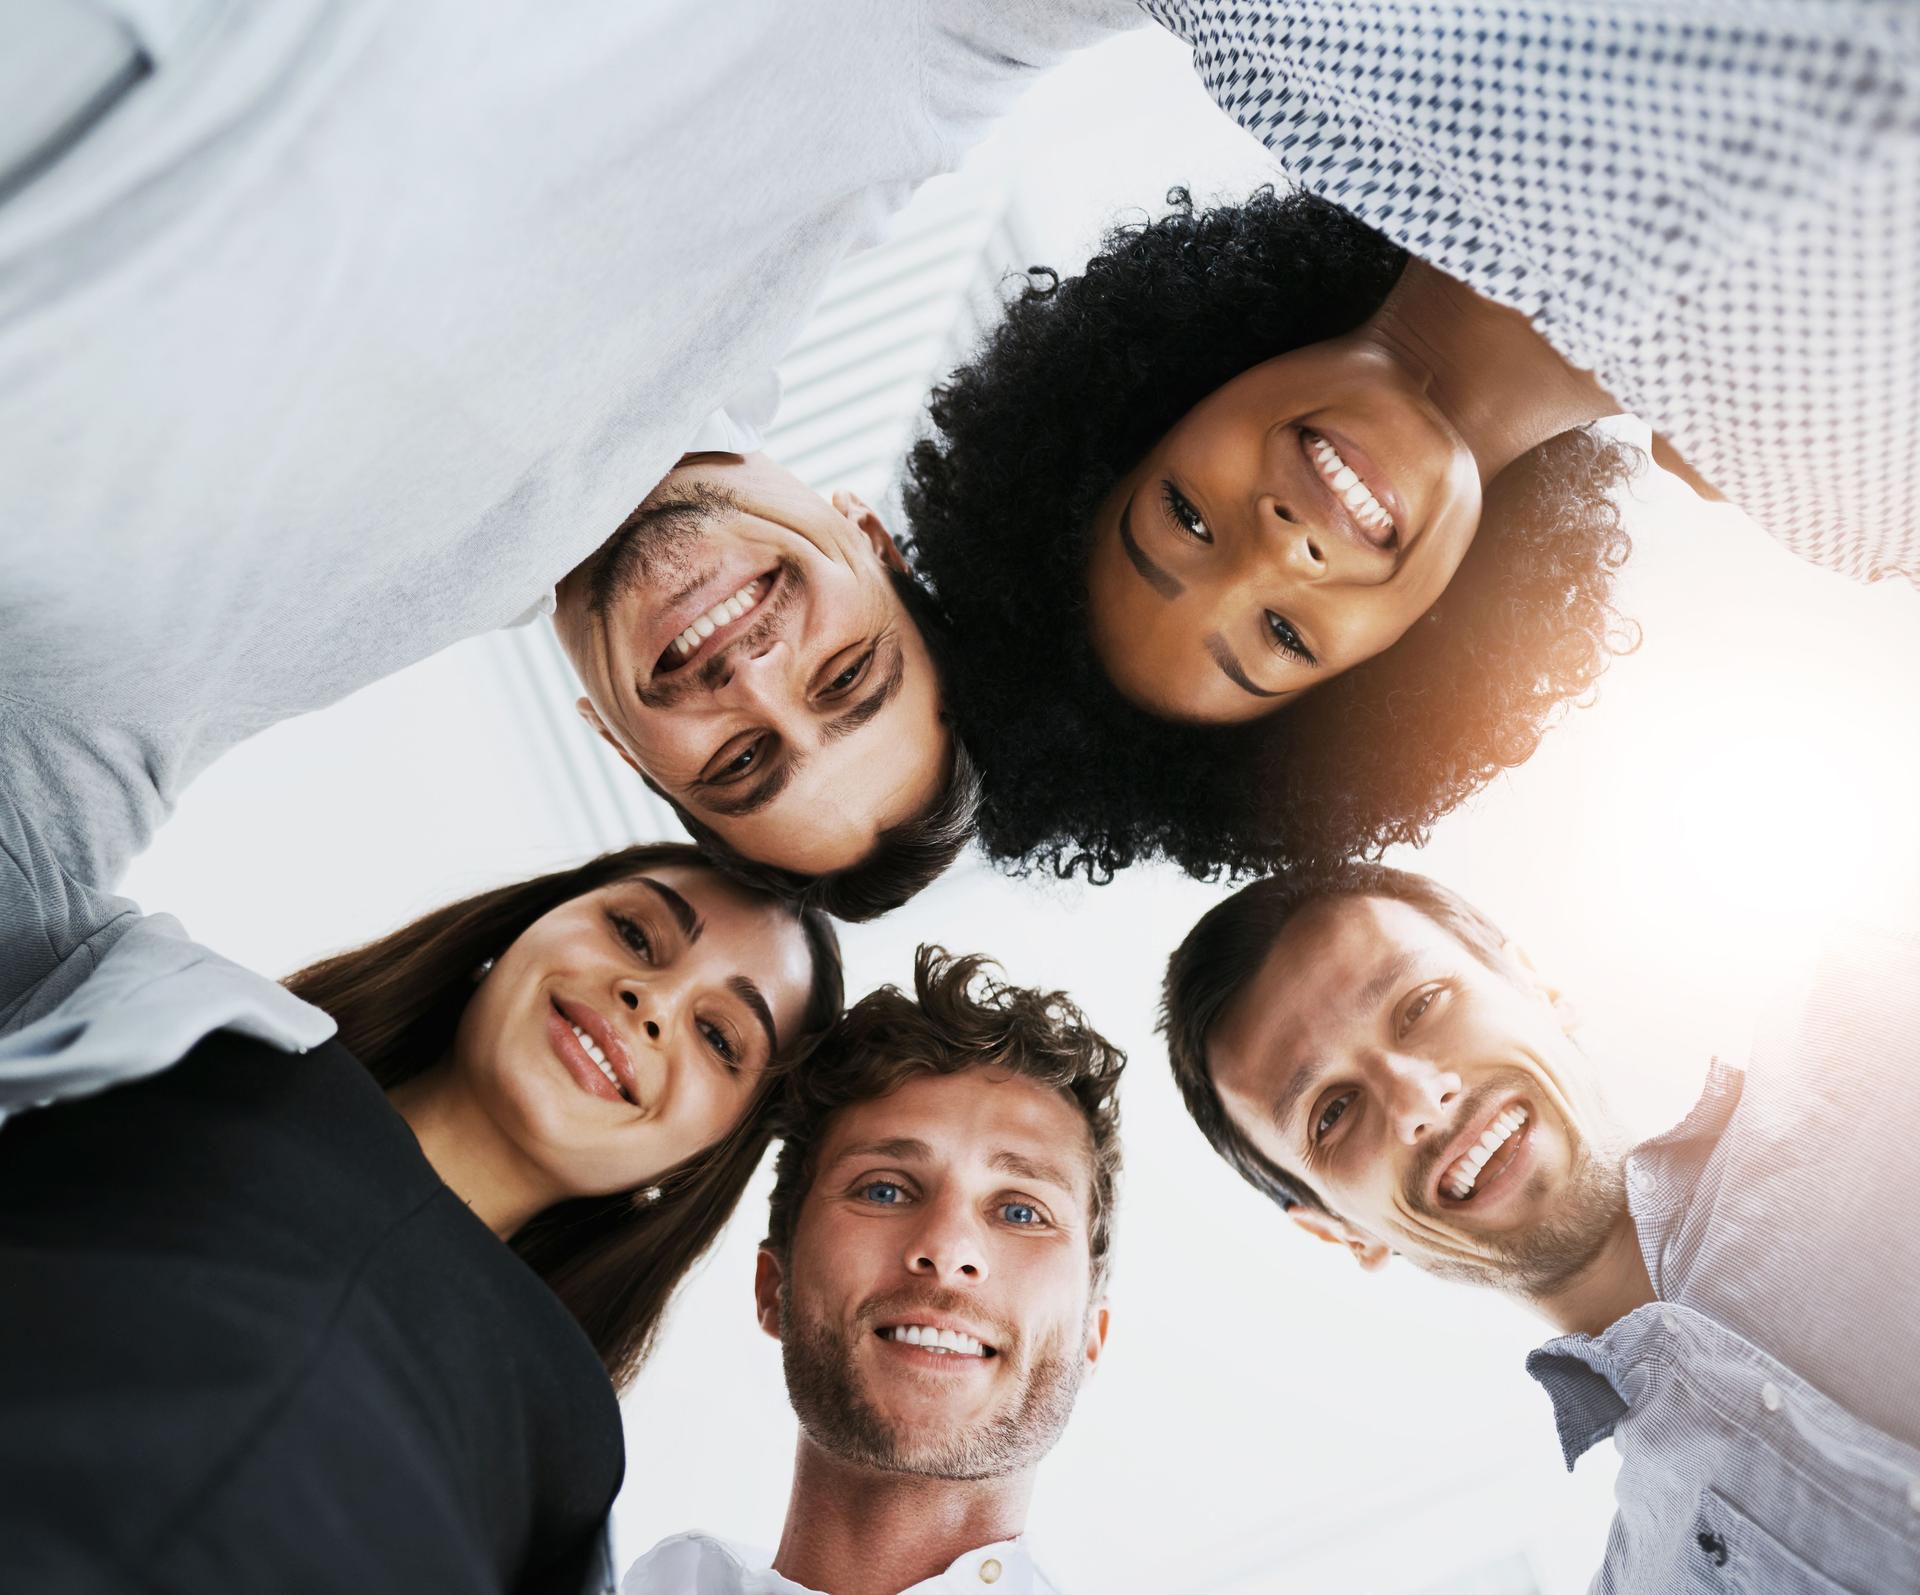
[966, 1120]
[1311, 992]
[756, 483]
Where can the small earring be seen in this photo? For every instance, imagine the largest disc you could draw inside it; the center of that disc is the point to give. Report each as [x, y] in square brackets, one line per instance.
[650, 1195]
[480, 970]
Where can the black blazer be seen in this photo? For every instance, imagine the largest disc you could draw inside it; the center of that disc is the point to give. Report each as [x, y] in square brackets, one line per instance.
[249, 1342]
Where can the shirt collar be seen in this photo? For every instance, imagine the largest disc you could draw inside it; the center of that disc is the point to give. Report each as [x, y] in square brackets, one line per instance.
[1003, 1568]
[1589, 1378]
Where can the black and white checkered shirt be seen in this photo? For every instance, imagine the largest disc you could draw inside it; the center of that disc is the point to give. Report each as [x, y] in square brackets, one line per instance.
[1712, 205]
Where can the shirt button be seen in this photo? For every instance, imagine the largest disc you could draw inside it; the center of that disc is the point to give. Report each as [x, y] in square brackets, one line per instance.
[1770, 1396]
[990, 1570]
[1668, 1321]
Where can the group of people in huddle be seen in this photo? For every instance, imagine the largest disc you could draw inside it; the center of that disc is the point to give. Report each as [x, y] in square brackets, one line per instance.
[332, 334]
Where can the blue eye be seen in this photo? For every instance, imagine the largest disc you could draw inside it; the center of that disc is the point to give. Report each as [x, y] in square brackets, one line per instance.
[1021, 1213]
[883, 1193]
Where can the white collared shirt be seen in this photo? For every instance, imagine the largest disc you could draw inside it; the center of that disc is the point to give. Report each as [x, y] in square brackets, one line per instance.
[699, 1564]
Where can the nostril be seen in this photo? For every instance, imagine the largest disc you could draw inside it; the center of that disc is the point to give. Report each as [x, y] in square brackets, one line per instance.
[630, 999]
[653, 1031]
[1313, 549]
[1285, 514]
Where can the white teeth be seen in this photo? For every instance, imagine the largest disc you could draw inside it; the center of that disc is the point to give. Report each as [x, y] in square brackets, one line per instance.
[732, 607]
[948, 1341]
[599, 1058]
[1346, 484]
[1459, 1180]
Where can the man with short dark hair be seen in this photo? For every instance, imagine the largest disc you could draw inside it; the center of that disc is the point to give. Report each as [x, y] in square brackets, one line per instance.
[935, 1272]
[1370, 1051]
[757, 654]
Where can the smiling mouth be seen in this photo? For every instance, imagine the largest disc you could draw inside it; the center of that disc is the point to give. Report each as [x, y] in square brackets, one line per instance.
[1347, 485]
[1487, 1159]
[942, 1342]
[595, 1054]
[722, 622]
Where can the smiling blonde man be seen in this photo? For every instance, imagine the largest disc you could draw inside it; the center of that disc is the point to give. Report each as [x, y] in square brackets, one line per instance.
[935, 1272]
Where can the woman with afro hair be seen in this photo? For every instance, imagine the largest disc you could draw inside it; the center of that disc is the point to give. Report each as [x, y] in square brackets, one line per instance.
[1281, 528]
[1231, 572]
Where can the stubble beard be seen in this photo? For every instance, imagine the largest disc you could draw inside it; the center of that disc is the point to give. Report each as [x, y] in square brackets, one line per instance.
[1549, 1255]
[837, 1416]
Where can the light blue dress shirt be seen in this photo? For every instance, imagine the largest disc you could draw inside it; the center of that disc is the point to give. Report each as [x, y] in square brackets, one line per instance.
[1767, 1405]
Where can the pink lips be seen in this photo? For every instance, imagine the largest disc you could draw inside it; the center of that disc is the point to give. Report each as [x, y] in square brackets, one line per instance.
[1393, 542]
[691, 609]
[562, 1015]
[1498, 1167]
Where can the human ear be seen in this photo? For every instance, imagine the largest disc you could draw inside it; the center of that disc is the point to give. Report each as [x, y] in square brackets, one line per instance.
[591, 715]
[1552, 995]
[766, 1291]
[1367, 1252]
[1096, 1334]
[879, 539]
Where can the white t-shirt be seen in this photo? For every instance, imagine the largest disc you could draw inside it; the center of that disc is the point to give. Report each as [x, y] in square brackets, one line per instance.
[354, 326]
[699, 1564]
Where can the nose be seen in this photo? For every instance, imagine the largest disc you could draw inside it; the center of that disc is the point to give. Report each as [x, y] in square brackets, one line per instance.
[757, 672]
[945, 1246]
[651, 1007]
[1417, 1094]
[1286, 540]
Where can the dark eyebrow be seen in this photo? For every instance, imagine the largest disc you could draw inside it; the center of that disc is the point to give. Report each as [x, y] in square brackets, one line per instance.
[846, 724]
[1162, 581]
[1223, 657]
[1366, 999]
[681, 909]
[749, 993]
[1029, 1169]
[757, 796]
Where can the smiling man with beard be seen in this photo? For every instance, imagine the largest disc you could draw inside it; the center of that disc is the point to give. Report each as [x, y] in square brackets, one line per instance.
[935, 1272]
[1370, 1051]
[757, 653]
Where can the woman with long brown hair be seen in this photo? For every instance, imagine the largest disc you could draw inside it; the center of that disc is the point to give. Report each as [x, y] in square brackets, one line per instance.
[267, 1302]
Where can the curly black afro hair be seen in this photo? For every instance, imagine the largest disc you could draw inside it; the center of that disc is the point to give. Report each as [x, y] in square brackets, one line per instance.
[1082, 376]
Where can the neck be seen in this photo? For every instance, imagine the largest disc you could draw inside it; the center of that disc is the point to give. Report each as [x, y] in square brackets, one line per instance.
[1505, 389]
[1606, 1290]
[853, 1530]
[469, 1152]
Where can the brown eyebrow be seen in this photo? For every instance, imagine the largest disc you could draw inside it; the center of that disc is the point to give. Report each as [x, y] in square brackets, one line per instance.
[846, 724]
[1223, 657]
[1028, 1168]
[1161, 580]
[903, 1147]
[749, 993]
[677, 905]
